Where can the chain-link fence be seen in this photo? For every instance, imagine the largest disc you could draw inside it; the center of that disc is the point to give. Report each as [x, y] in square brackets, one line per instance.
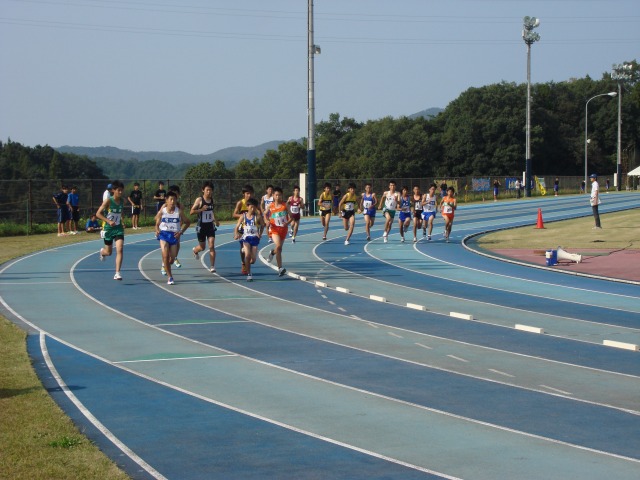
[29, 202]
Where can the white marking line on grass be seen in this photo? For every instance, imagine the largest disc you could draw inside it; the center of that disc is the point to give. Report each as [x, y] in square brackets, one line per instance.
[173, 358]
[556, 390]
[502, 373]
[104, 430]
[458, 358]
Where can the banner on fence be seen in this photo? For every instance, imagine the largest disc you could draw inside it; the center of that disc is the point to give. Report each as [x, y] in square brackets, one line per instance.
[480, 184]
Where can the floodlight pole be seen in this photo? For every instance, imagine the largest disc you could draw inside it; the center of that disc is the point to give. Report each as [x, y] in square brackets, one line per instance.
[620, 73]
[529, 37]
[586, 131]
[312, 49]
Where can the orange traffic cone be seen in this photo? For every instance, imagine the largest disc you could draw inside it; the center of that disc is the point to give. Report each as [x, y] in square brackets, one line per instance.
[540, 224]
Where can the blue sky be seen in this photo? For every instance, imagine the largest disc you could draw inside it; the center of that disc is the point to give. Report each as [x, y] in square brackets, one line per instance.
[199, 75]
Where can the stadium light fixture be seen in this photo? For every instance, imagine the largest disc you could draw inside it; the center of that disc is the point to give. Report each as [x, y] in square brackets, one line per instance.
[529, 37]
[621, 73]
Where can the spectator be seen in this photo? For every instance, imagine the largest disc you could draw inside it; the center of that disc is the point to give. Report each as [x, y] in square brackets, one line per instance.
[92, 226]
[60, 201]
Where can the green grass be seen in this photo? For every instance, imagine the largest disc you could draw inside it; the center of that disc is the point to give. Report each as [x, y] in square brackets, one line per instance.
[620, 231]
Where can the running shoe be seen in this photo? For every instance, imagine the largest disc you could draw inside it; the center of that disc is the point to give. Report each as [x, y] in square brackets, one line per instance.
[429, 238]
[163, 271]
[101, 256]
[170, 281]
[177, 263]
[424, 234]
[402, 239]
[282, 271]
[270, 240]
[249, 278]
[384, 238]
[368, 238]
[346, 242]
[324, 238]
[212, 269]
[270, 256]
[117, 276]
[415, 239]
[195, 254]
[293, 239]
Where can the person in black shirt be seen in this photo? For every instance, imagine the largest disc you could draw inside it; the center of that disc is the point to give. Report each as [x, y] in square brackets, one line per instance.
[135, 199]
[160, 195]
[64, 216]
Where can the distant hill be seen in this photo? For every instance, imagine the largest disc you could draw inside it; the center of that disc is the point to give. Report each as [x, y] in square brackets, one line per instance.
[230, 156]
[428, 113]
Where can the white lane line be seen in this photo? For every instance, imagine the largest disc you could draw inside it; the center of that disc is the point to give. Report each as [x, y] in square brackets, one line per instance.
[556, 390]
[395, 335]
[424, 346]
[331, 302]
[324, 296]
[80, 406]
[502, 373]
[179, 324]
[458, 358]
[342, 309]
[373, 325]
[173, 358]
[36, 283]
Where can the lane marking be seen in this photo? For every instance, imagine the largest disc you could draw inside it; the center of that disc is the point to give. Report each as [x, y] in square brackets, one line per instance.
[143, 360]
[89, 416]
[458, 358]
[395, 335]
[424, 346]
[502, 373]
[556, 390]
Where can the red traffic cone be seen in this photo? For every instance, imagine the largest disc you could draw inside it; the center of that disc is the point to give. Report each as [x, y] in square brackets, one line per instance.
[540, 224]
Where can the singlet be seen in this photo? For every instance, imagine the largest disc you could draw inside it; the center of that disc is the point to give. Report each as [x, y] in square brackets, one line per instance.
[170, 222]
[417, 203]
[114, 213]
[349, 204]
[405, 204]
[207, 215]
[267, 202]
[249, 226]
[430, 205]
[294, 205]
[391, 201]
[326, 200]
[448, 205]
[278, 215]
[367, 202]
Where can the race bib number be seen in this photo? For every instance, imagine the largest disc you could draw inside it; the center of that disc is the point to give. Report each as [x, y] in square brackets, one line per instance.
[447, 209]
[250, 230]
[278, 219]
[114, 217]
[348, 206]
[295, 209]
[207, 216]
[367, 204]
[326, 204]
[418, 205]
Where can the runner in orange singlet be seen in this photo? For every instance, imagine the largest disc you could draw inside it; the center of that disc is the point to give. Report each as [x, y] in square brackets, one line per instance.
[279, 221]
[448, 207]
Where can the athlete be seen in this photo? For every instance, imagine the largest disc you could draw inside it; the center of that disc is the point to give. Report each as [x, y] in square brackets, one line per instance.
[404, 218]
[248, 231]
[176, 189]
[448, 207]
[368, 202]
[171, 223]
[240, 209]
[295, 204]
[347, 207]
[110, 212]
[279, 219]
[267, 200]
[429, 207]
[390, 199]
[417, 211]
[207, 224]
[325, 205]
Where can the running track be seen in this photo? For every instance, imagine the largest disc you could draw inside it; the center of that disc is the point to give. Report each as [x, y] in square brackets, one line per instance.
[215, 377]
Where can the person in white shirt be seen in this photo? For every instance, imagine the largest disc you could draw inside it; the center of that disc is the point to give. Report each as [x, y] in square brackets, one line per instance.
[595, 199]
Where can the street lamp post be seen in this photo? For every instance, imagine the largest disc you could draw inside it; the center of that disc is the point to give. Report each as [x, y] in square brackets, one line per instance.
[529, 37]
[586, 130]
[620, 73]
